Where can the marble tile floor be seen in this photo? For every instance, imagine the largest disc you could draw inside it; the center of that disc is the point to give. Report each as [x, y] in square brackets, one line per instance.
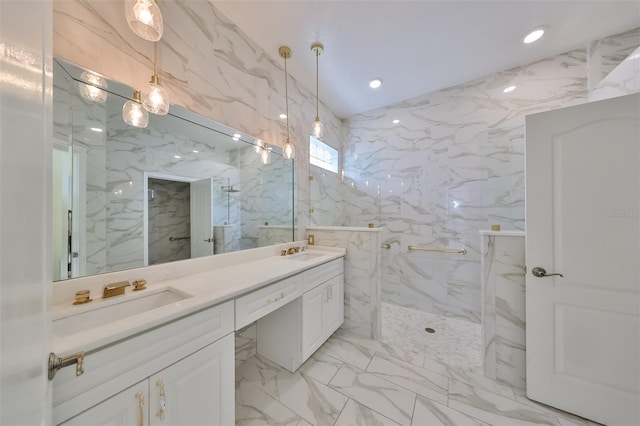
[355, 381]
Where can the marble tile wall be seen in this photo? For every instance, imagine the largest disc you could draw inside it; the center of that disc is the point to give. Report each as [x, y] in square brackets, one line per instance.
[362, 276]
[503, 310]
[452, 166]
[169, 216]
[274, 234]
[207, 65]
[222, 239]
[129, 153]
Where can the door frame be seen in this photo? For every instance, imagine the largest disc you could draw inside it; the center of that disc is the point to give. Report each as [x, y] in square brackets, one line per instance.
[145, 203]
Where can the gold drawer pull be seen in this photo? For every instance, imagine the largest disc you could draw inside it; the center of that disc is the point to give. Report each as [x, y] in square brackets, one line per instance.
[140, 398]
[163, 400]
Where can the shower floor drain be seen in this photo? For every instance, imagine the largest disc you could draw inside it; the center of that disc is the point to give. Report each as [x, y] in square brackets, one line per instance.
[429, 330]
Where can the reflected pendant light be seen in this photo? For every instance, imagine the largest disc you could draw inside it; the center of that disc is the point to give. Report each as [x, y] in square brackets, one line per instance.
[156, 100]
[288, 150]
[133, 113]
[92, 89]
[317, 129]
[265, 155]
[144, 18]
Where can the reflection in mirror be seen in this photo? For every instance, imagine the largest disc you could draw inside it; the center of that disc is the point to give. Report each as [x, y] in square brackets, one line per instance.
[185, 186]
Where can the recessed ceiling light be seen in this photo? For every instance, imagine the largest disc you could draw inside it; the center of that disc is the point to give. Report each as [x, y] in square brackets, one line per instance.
[195, 151]
[177, 157]
[283, 116]
[396, 121]
[533, 35]
[97, 129]
[509, 89]
[375, 83]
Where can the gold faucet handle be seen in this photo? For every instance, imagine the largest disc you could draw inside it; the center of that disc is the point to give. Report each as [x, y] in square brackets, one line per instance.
[139, 285]
[82, 296]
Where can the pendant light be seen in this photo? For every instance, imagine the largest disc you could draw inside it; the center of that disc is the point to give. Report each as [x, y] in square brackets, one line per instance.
[156, 100]
[317, 129]
[288, 150]
[133, 113]
[265, 155]
[144, 18]
[92, 89]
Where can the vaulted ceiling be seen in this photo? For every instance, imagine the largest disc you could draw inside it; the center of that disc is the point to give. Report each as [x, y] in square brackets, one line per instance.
[418, 47]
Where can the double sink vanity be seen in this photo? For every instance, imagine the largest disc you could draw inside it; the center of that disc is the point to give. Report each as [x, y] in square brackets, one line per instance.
[165, 354]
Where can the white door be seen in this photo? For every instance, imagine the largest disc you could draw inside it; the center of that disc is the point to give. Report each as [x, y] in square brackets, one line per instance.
[25, 211]
[583, 221]
[202, 218]
[198, 390]
[126, 408]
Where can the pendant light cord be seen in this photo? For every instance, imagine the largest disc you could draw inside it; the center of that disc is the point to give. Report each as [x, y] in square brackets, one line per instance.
[286, 95]
[317, 85]
[155, 59]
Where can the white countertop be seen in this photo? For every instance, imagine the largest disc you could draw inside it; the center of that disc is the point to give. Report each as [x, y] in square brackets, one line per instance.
[206, 289]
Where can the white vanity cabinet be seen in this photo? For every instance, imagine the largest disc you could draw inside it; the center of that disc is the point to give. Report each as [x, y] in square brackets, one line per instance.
[184, 370]
[289, 335]
[126, 408]
[322, 314]
[193, 391]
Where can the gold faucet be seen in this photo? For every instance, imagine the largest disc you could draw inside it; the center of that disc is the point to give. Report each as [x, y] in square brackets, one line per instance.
[291, 250]
[115, 289]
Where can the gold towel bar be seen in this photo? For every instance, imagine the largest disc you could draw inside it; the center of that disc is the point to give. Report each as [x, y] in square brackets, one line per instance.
[438, 250]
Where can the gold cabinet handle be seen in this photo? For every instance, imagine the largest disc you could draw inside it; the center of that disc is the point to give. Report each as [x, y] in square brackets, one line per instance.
[163, 400]
[140, 398]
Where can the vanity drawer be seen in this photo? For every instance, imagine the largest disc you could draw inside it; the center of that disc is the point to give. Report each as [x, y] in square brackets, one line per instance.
[261, 302]
[321, 273]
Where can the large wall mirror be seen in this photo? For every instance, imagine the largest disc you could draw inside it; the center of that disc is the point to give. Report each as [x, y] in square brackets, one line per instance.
[183, 187]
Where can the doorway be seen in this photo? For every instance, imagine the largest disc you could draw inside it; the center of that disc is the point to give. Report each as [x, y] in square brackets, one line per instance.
[169, 222]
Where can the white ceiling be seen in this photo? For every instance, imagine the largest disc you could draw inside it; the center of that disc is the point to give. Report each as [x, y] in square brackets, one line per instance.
[417, 47]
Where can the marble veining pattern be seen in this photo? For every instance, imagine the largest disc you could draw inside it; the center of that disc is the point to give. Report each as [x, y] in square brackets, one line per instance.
[169, 217]
[452, 166]
[362, 277]
[503, 287]
[353, 380]
[206, 63]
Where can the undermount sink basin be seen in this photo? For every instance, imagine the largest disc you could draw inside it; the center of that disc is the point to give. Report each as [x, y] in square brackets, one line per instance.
[105, 314]
[305, 256]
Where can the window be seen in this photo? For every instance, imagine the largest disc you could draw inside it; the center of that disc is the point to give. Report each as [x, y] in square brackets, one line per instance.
[322, 155]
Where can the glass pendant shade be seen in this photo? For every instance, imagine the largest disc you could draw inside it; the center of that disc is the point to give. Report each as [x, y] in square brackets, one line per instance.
[144, 18]
[92, 90]
[317, 129]
[156, 100]
[288, 150]
[133, 113]
[265, 156]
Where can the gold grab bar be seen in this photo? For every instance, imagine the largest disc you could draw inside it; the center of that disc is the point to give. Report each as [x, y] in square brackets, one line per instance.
[438, 250]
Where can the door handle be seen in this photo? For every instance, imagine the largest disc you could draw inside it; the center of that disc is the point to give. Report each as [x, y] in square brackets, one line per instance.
[208, 240]
[540, 272]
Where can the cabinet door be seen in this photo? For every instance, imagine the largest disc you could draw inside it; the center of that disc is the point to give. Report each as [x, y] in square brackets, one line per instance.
[333, 312]
[312, 304]
[198, 390]
[127, 408]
